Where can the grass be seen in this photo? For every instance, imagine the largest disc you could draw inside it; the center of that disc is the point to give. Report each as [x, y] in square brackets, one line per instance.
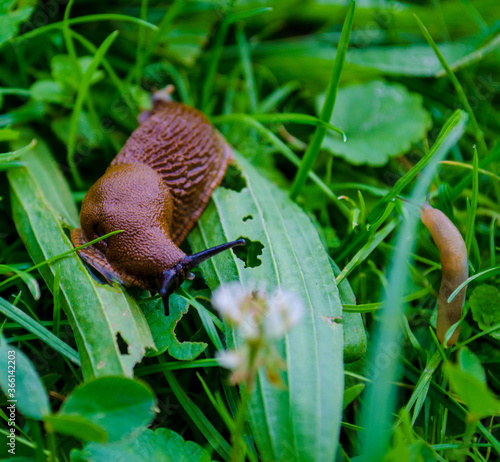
[79, 80]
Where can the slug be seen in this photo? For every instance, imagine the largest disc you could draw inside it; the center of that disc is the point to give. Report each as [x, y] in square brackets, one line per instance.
[455, 269]
[154, 191]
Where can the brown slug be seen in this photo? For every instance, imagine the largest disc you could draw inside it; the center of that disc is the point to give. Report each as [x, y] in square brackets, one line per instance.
[455, 269]
[154, 191]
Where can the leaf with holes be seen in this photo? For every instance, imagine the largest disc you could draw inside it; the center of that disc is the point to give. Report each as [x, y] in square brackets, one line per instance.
[381, 120]
[162, 328]
[43, 210]
[302, 420]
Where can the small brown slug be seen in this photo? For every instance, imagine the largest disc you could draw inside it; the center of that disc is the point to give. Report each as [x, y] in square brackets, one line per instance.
[455, 269]
[154, 191]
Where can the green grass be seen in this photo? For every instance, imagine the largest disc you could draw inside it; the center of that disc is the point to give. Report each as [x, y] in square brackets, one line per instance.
[270, 77]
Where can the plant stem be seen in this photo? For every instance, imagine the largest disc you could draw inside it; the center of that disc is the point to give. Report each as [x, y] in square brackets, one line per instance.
[241, 413]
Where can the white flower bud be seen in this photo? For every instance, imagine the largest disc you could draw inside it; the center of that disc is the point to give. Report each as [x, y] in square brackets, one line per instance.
[285, 309]
[229, 300]
[230, 359]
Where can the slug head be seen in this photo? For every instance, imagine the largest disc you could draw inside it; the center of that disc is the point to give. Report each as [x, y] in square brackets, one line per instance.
[173, 277]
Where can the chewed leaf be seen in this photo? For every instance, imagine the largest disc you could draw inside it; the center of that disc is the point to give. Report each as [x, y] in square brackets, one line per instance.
[162, 329]
[381, 120]
[300, 421]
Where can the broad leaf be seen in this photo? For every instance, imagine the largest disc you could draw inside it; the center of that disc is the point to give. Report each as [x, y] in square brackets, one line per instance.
[43, 210]
[381, 120]
[118, 406]
[21, 383]
[162, 445]
[9, 22]
[470, 363]
[310, 60]
[480, 401]
[300, 422]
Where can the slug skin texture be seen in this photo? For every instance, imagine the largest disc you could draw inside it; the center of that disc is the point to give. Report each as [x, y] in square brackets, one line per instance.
[154, 191]
[455, 269]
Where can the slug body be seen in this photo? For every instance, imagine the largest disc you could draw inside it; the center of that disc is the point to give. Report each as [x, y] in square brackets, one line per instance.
[455, 269]
[154, 191]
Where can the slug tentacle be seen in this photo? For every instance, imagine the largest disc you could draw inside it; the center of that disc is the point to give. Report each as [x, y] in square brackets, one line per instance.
[174, 277]
[455, 269]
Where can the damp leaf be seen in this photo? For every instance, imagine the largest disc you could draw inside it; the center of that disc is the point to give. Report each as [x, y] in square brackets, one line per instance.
[162, 445]
[163, 329]
[381, 120]
[301, 420]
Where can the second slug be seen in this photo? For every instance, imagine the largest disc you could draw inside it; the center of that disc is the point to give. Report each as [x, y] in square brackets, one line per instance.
[154, 191]
[455, 269]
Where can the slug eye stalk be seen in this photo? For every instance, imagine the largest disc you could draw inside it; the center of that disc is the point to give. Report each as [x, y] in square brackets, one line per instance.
[172, 278]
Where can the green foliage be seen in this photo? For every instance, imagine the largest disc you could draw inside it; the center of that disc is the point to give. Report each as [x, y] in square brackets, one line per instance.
[162, 445]
[11, 18]
[22, 385]
[75, 77]
[468, 380]
[162, 329]
[43, 209]
[293, 257]
[105, 409]
[380, 120]
[407, 447]
[485, 306]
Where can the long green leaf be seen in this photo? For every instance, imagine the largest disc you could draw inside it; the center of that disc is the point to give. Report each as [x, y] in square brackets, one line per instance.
[302, 421]
[43, 210]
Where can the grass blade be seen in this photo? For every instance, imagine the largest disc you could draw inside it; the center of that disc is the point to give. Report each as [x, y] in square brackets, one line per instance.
[327, 110]
[80, 98]
[463, 97]
[381, 395]
[19, 316]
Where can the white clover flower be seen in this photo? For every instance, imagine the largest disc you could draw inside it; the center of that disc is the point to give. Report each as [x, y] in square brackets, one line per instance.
[230, 359]
[241, 307]
[249, 328]
[260, 319]
[285, 309]
[229, 300]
